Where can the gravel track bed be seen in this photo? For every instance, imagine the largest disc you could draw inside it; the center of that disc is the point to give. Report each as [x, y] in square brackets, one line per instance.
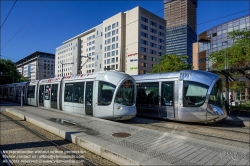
[21, 145]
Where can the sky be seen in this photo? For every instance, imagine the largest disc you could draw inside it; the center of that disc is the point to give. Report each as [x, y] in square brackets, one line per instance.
[44, 25]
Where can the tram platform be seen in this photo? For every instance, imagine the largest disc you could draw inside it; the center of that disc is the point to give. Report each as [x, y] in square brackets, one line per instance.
[124, 144]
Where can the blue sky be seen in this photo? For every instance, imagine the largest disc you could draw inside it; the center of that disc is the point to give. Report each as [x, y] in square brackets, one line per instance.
[44, 25]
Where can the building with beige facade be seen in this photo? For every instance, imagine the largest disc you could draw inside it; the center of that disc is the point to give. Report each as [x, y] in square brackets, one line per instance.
[130, 42]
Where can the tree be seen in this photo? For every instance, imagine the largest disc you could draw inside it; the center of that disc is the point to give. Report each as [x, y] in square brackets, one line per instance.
[238, 55]
[171, 62]
[9, 73]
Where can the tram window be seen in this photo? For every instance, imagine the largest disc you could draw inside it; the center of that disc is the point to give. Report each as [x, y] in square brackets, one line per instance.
[31, 91]
[216, 94]
[105, 93]
[47, 92]
[167, 94]
[194, 94]
[68, 92]
[149, 93]
[125, 94]
[78, 92]
[11, 91]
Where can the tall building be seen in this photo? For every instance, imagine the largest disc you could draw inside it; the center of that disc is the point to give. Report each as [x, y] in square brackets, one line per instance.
[181, 27]
[216, 39]
[36, 66]
[130, 42]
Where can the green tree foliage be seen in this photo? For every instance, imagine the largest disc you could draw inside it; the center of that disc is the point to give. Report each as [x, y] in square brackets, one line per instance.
[171, 62]
[9, 73]
[238, 54]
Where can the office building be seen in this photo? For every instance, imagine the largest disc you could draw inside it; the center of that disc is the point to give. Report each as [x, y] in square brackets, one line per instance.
[36, 66]
[216, 39]
[181, 26]
[130, 42]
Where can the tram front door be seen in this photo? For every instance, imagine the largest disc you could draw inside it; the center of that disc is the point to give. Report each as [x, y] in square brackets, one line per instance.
[89, 98]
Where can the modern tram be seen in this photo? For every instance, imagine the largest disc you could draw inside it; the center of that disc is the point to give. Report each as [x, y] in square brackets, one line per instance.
[187, 95]
[106, 94]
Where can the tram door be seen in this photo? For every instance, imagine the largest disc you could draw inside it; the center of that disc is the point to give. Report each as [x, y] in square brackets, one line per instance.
[149, 102]
[54, 90]
[41, 92]
[89, 98]
[167, 99]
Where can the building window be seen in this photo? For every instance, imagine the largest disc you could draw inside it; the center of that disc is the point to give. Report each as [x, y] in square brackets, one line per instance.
[153, 23]
[153, 45]
[143, 49]
[153, 38]
[161, 34]
[153, 52]
[144, 34]
[144, 19]
[153, 30]
[161, 47]
[161, 40]
[144, 27]
[144, 42]
[161, 27]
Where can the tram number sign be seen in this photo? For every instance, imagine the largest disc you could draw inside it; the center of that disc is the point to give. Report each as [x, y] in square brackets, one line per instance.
[184, 76]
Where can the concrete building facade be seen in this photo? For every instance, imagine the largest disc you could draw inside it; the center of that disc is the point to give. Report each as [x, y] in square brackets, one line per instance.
[130, 42]
[181, 26]
[36, 66]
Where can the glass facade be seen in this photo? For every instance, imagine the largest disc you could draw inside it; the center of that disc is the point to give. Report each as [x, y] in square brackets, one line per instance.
[216, 39]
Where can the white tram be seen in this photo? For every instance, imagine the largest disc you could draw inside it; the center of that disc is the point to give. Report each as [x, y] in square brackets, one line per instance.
[105, 94]
[188, 95]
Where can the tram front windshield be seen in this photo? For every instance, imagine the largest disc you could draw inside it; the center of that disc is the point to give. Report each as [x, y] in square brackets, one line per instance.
[215, 97]
[125, 94]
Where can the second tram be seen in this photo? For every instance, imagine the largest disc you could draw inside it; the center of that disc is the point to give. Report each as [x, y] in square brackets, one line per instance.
[188, 95]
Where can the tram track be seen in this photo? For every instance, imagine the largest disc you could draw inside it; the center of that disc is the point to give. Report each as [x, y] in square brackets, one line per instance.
[221, 135]
[51, 145]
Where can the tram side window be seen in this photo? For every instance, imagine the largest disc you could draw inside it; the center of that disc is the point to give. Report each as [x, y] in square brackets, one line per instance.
[11, 91]
[149, 93]
[31, 91]
[105, 93]
[47, 92]
[78, 92]
[167, 94]
[68, 92]
[194, 94]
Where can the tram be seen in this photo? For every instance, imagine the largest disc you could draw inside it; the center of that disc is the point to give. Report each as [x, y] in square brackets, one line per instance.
[105, 94]
[187, 95]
